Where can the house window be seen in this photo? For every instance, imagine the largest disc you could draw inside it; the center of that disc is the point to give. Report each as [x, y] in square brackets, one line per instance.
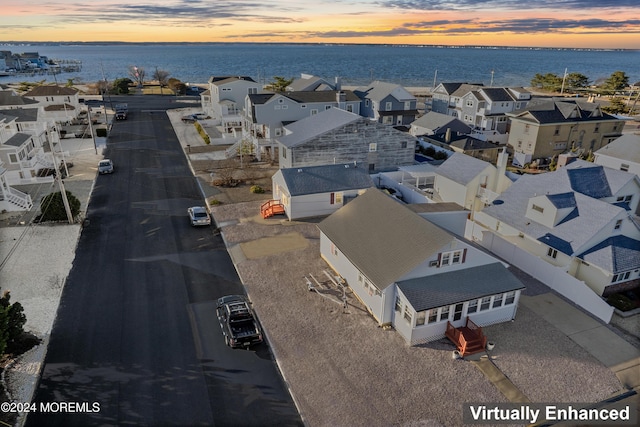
[420, 316]
[327, 107]
[332, 198]
[537, 208]
[485, 303]
[444, 313]
[372, 167]
[373, 147]
[388, 106]
[433, 315]
[597, 129]
[387, 120]
[303, 106]
[497, 301]
[284, 152]
[360, 279]
[473, 306]
[398, 304]
[624, 167]
[620, 277]
[334, 250]
[557, 131]
[526, 128]
[457, 311]
[407, 105]
[350, 108]
[469, 103]
[552, 253]
[314, 111]
[366, 102]
[618, 224]
[510, 297]
[407, 314]
[403, 144]
[13, 158]
[252, 90]
[453, 257]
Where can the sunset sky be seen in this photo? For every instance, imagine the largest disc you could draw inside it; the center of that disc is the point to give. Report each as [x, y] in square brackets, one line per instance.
[544, 23]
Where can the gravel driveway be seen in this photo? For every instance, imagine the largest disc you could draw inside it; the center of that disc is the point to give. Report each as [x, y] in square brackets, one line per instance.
[344, 370]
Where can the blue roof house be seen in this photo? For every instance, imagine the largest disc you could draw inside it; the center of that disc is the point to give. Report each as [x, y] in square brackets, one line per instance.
[314, 191]
[582, 217]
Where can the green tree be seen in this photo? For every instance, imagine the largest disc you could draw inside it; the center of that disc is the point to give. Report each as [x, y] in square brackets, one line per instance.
[12, 320]
[576, 81]
[121, 86]
[279, 84]
[549, 81]
[617, 81]
[52, 207]
[616, 106]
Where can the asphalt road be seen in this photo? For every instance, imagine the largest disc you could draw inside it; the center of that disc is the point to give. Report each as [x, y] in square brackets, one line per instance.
[136, 340]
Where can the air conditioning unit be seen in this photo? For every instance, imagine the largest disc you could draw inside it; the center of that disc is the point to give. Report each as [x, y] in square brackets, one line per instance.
[433, 263]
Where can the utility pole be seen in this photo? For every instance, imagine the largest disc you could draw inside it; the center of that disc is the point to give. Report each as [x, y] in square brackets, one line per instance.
[563, 80]
[63, 192]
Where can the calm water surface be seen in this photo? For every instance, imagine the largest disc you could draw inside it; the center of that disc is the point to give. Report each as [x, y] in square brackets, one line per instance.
[355, 64]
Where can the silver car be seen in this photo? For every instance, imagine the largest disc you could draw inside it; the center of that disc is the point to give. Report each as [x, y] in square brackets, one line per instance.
[105, 166]
[198, 215]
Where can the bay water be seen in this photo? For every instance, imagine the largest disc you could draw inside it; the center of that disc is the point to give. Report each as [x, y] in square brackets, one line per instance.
[410, 66]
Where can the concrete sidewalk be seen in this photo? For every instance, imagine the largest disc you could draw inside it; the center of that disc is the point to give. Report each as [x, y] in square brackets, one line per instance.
[611, 350]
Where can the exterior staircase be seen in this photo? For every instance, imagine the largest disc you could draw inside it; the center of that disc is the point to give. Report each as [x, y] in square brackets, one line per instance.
[469, 339]
[17, 199]
[271, 208]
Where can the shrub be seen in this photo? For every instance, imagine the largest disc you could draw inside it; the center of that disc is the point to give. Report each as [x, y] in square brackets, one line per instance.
[215, 202]
[53, 209]
[621, 302]
[257, 189]
[202, 133]
[12, 320]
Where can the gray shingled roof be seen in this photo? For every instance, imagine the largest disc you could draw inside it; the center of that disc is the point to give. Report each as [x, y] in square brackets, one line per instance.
[450, 287]
[559, 111]
[377, 91]
[382, 238]
[310, 127]
[9, 97]
[438, 123]
[17, 139]
[627, 147]
[588, 218]
[461, 168]
[22, 114]
[616, 254]
[51, 90]
[325, 179]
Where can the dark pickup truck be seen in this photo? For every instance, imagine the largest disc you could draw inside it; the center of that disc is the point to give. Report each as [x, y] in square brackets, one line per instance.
[238, 321]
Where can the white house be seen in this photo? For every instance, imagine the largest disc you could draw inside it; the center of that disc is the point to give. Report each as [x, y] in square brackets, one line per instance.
[581, 218]
[470, 182]
[58, 103]
[410, 273]
[318, 190]
[224, 100]
[622, 153]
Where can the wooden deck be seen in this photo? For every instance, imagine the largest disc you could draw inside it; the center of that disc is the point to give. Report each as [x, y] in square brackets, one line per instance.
[469, 339]
[271, 208]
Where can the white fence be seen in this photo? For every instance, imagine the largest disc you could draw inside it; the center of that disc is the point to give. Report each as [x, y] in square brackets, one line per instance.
[554, 277]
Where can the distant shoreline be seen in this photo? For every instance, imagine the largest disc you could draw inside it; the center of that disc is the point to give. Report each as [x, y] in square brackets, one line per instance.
[398, 45]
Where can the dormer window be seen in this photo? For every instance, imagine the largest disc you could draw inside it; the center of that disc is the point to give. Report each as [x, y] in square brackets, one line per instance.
[618, 225]
[451, 258]
[537, 208]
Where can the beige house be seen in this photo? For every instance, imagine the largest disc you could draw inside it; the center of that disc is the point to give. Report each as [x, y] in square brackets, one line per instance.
[58, 103]
[552, 127]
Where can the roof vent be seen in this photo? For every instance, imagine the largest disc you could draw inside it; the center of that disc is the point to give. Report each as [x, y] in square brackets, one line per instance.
[299, 170]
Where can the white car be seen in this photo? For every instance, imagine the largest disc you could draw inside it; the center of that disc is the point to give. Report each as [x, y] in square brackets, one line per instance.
[198, 215]
[105, 166]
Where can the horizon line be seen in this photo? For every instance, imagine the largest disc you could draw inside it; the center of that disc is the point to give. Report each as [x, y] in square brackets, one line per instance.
[26, 42]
